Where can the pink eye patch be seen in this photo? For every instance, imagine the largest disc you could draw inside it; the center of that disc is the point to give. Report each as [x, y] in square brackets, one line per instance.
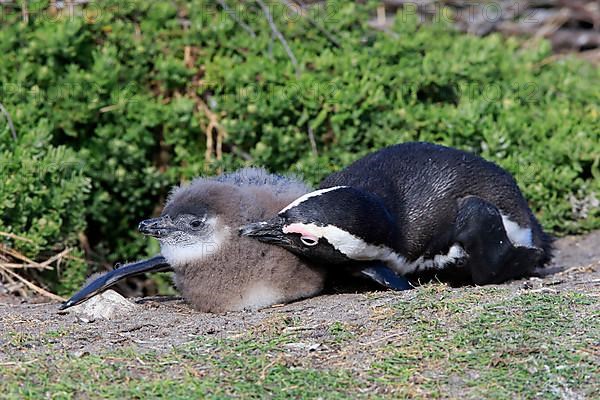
[301, 229]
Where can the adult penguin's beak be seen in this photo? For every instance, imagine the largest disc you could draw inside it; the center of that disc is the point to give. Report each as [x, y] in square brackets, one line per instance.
[270, 231]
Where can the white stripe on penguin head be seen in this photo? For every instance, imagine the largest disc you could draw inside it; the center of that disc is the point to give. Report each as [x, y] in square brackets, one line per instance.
[355, 248]
[350, 245]
[307, 196]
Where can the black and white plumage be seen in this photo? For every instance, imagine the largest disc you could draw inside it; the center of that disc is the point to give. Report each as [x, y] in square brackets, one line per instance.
[417, 208]
[214, 269]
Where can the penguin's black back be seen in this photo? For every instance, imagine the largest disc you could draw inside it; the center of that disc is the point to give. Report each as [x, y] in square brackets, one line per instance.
[421, 183]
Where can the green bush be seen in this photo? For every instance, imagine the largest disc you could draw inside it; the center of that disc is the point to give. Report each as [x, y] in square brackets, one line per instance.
[111, 93]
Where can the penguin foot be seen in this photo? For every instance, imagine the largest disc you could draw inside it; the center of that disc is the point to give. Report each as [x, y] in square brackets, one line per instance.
[521, 261]
[492, 256]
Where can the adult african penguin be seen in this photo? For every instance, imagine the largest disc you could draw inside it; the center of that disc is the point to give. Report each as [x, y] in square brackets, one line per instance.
[417, 208]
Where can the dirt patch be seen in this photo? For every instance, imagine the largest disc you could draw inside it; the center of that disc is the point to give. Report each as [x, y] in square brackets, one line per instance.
[362, 320]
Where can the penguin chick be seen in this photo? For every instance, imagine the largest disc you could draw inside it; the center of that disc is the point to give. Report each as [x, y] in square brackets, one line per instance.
[215, 269]
[419, 209]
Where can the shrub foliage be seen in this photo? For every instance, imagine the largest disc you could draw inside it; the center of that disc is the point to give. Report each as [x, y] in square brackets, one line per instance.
[113, 102]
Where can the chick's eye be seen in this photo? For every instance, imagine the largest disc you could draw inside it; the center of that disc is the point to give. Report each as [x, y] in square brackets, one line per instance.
[195, 223]
[309, 240]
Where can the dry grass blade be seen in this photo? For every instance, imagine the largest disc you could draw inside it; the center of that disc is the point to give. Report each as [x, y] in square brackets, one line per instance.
[232, 14]
[45, 265]
[32, 286]
[9, 120]
[22, 266]
[56, 257]
[549, 28]
[279, 35]
[298, 9]
[18, 283]
[213, 124]
[15, 254]
[16, 237]
[11, 285]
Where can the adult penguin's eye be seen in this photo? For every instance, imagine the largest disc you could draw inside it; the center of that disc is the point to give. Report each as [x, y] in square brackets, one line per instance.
[195, 223]
[309, 240]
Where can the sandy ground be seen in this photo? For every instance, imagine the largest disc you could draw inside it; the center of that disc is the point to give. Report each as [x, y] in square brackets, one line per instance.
[159, 323]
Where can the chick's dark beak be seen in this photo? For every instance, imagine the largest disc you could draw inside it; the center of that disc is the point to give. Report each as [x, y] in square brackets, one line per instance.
[270, 231]
[156, 227]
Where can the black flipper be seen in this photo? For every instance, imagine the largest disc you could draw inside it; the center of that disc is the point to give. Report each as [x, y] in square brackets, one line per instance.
[384, 276]
[492, 256]
[154, 264]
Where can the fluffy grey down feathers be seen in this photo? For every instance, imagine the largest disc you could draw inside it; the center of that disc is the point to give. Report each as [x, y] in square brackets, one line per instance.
[230, 272]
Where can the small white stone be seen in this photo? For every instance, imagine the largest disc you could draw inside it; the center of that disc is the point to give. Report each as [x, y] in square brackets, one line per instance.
[303, 346]
[107, 305]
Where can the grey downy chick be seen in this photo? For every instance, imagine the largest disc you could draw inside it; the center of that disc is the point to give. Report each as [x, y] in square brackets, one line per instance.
[215, 269]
